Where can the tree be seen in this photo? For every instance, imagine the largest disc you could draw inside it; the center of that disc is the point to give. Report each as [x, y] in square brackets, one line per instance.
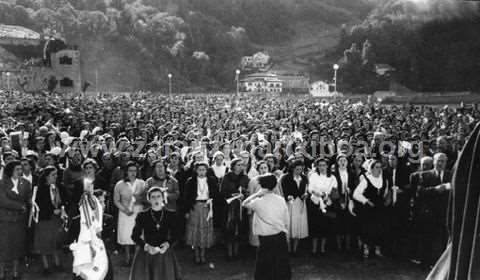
[351, 71]
[368, 56]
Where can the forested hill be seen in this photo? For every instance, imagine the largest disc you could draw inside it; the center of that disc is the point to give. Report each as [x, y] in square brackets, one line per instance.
[432, 44]
[134, 44]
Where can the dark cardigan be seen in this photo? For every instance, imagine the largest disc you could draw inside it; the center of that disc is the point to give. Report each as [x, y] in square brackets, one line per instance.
[191, 188]
[289, 186]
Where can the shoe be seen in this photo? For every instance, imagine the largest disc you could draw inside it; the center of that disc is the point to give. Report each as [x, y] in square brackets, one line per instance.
[203, 260]
[59, 268]
[378, 252]
[366, 252]
[46, 272]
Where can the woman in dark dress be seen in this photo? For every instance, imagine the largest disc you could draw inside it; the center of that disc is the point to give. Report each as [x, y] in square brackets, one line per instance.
[232, 191]
[15, 198]
[270, 222]
[51, 216]
[356, 172]
[152, 233]
[344, 205]
[373, 194]
[200, 192]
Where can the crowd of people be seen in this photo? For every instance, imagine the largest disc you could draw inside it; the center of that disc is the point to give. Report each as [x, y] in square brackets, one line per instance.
[357, 177]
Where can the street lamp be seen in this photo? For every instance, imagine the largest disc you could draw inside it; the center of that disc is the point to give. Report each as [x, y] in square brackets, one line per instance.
[169, 84]
[237, 75]
[335, 69]
[8, 81]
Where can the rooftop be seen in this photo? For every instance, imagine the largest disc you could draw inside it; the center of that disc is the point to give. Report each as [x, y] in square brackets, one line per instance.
[13, 32]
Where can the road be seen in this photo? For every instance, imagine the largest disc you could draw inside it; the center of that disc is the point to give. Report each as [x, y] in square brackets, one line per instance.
[334, 266]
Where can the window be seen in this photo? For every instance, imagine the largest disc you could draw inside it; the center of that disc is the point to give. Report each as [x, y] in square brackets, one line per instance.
[66, 82]
[65, 60]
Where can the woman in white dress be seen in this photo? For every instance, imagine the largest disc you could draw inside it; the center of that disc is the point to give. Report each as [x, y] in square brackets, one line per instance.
[323, 191]
[294, 188]
[129, 197]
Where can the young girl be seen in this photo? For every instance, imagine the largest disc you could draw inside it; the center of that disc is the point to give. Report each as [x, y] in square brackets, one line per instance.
[154, 234]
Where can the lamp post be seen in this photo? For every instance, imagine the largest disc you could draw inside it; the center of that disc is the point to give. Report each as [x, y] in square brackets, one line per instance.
[335, 69]
[237, 75]
[169, 84]
[8, 81]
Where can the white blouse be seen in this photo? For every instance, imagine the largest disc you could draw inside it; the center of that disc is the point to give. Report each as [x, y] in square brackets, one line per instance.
[344, 178]
[219, 170]
[270, 215]
[15, 185]
[202, 189]
[377, 182]
[321, 184]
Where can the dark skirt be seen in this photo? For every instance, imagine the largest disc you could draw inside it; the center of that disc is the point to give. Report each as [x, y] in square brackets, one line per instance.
[373, 224]
[236, 223]
[13, 239]
[48, 236]
[320, 224]
[344, 223]
[153, 267]
[273, 262]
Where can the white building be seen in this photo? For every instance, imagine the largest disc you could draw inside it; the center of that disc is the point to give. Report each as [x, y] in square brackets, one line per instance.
[322, 89]
[261, 82]
[258, 61]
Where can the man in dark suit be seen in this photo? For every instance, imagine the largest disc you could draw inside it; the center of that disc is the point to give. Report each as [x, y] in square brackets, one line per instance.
[431, 209]
[426, 163]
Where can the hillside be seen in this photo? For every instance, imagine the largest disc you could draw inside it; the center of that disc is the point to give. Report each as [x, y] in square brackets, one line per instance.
[134, 44]
[433, 45]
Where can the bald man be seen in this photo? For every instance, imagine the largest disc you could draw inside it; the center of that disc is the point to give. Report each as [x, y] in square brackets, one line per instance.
[431, 213]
